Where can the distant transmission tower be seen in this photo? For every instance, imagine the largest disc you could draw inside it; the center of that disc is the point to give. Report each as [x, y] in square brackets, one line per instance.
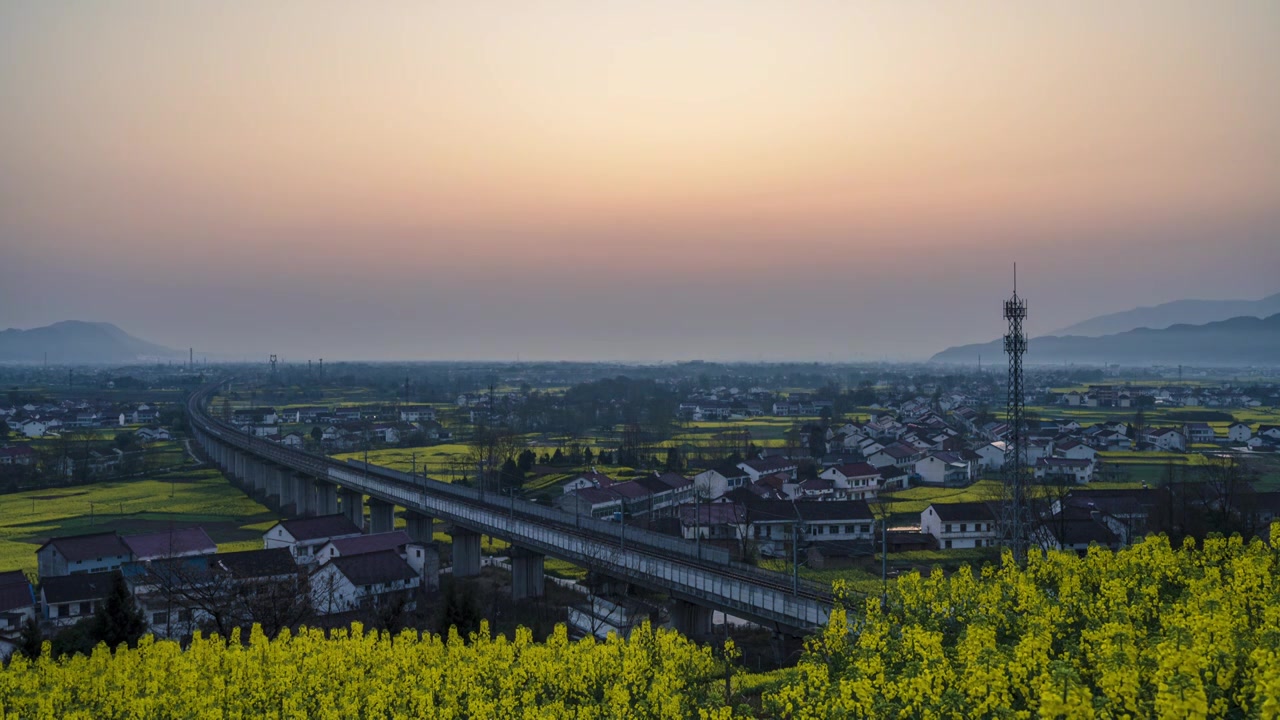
[273, 366]
[1015, 517]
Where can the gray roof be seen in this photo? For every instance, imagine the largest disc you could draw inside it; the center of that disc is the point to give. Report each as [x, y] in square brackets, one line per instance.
[258, 563]
[375, 542]
[961, 511]
[383, 566]
[320, 528]
[89, 547]
[170, 543]
[76, 588]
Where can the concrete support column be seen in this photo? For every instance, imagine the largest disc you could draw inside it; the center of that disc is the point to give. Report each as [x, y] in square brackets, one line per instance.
[305, 488]
[288, 494]
[326, 498]
[274, 489]
[693, 621]
[352, 505]
[382, 516]
[466, 552]
[420, 527]
[527, 579]
[258, 478]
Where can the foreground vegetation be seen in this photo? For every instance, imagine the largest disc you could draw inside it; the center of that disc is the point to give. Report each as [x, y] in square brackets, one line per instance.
[1151, 631]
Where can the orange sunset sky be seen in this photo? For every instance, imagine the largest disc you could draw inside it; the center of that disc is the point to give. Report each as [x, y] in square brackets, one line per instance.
[640, 181]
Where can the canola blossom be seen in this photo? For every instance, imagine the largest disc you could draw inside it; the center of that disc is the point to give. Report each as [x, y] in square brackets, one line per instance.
[1150, 631]
[352, 674]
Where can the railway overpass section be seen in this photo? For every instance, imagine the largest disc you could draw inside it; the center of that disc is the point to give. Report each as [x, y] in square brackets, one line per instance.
[698, 579]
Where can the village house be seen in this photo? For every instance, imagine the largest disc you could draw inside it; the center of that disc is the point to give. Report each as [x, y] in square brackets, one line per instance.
[854, 481]
[991, 456]
[944, 468]
[898, 455]
[367, 580]
[755, 469]
[1239, 432]
[81, 554]
[303, 537]
[417, 413]
[587, 480]
[17, 455]
[713, 484]
[396, 540]
[66, 599]
[960, 525]
[1076, 471]
[17, 606]
[1167, 440]
[1198, 433]
[772, 524]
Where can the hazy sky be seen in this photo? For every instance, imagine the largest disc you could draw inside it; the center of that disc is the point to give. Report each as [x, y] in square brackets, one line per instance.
[629, 180]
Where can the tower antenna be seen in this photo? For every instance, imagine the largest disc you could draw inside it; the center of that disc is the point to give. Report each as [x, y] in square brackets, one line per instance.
[1015, 515]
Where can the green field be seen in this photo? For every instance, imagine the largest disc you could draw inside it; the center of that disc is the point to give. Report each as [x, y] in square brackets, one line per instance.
[197, 497]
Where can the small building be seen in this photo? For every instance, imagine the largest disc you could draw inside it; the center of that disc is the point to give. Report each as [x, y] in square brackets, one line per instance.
[417, 413]
[1239, 432]
[991, 456]
[303, 537]
[960, 525]
[17, 604]
[66, 599]
[17, 455]
[944, 468]
[755, 469]
[361, 581]
[1069, 470]
[80, 554]
[1198, 433]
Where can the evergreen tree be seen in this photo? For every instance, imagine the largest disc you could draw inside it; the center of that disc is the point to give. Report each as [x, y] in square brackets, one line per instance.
[120, 620]
[31, 640]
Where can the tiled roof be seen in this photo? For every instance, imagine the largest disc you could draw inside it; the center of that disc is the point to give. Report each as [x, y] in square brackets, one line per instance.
[375, 542]
[88, 547]
[857, 470]
[257, 563]
[170, 543]
[383, 566]
[76, 588]
[954, 512]
[319, 528]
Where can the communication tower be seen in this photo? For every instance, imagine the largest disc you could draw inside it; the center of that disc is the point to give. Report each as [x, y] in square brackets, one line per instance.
[1015, 517]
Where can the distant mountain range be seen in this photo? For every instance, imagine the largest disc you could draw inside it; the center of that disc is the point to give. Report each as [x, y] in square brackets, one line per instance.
[1236, 341]
[75, 341]
[1190, 312]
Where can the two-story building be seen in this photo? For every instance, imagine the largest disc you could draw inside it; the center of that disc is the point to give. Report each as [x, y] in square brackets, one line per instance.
[81, 554]
[367, 580]
[303, 537]
[960, 525]
[1075, 471]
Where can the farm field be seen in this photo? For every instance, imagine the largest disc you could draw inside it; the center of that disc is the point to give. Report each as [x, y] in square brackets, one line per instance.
[181, 499]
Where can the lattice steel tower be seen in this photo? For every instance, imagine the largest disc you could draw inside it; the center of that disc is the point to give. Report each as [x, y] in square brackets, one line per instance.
[1015, 520]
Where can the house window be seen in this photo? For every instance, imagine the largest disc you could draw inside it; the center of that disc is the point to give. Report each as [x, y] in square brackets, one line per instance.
[184, 615]
[55, 611]
[948, 545]
[86, 608]
[963, 527]
[866, 528]
[158, 618]
[946, 528]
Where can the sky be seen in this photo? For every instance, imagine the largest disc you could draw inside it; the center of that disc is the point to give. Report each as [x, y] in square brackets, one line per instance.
[656, 181]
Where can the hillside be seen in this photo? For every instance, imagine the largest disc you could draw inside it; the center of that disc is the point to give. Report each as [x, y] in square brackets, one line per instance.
[75, 341]
[1238, 341]
[1178, 312]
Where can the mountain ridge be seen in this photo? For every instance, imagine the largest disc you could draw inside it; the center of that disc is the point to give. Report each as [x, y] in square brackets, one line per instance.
[1164, 315]
[77, 341]
[1243, 340]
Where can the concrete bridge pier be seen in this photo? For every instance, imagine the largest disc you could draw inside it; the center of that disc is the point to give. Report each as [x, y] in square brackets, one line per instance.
[466, 552]
[420, 527]
[326, 498]
[305, 490]
[352, 505]
[288, 493]
[258, 479]
[274, 489]
[691, 620]
[382, 516]
[527, 579]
